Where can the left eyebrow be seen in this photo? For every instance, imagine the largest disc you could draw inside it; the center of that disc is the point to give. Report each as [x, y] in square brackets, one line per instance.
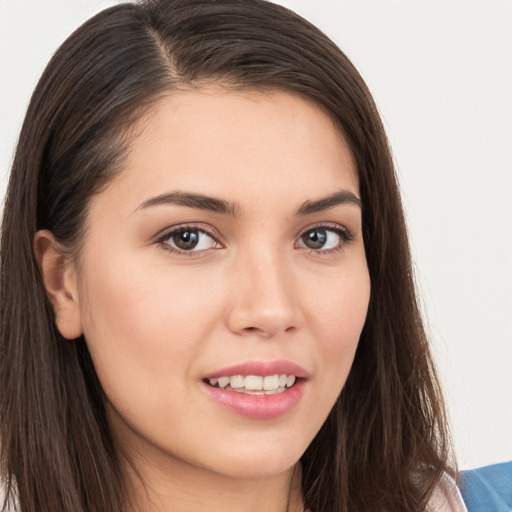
[341, 197]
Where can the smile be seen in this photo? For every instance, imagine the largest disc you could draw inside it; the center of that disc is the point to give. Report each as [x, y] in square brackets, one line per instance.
[258, 389]
[254, 384]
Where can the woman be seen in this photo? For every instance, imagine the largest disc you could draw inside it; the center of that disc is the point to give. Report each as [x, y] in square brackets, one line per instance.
[207, 296]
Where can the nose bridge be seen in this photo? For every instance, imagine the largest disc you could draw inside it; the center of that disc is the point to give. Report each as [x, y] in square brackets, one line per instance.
[264, 299]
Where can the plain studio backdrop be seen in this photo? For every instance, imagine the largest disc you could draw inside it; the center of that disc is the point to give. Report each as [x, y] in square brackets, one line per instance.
[441, 74]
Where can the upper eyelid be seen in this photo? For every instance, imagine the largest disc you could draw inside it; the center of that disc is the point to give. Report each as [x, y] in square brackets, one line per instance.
[167, 232]
[327, 225]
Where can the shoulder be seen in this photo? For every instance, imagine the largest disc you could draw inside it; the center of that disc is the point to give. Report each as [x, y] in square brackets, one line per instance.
[446, 497]
[488, 488]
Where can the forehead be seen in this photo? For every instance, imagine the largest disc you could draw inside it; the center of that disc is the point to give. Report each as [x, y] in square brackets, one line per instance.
[223, 143]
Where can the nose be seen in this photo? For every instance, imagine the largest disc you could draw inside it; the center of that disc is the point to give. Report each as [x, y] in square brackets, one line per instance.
[263, 297]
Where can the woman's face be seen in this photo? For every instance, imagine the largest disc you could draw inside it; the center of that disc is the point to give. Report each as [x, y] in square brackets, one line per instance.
[226, 255]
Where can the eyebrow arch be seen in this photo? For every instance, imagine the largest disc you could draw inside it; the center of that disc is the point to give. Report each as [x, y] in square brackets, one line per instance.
[341, 197]
[198, 201]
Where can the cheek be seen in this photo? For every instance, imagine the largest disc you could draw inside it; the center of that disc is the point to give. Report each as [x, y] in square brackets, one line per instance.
[337, 314]
[140, 326]
[144, 332]
[146, 323]
[146, 302]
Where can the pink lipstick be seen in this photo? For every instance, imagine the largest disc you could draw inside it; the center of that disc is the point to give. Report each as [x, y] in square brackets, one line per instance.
[258, 389]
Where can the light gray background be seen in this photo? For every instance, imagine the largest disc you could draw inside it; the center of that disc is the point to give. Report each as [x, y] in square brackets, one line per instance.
[441, 73]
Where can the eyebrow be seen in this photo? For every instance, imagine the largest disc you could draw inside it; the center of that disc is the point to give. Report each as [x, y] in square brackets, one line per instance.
[198, 201]
[338, 198]
[223, 207]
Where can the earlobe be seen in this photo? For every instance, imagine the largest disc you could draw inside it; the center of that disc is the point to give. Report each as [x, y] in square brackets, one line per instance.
[61, 283]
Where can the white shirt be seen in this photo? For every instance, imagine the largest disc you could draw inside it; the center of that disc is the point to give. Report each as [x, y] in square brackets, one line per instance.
[446, 497]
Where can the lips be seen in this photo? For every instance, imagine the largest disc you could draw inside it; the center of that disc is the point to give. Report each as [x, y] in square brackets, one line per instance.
[258, 389]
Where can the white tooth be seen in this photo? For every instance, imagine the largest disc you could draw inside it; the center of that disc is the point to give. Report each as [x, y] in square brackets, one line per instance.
[237, 381]
[282, 381]
[290, 380]
[213, 381]
[253, 382]
[270, 382]
[223, 381]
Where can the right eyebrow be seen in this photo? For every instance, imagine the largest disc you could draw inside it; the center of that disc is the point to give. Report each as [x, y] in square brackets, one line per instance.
[198, 201]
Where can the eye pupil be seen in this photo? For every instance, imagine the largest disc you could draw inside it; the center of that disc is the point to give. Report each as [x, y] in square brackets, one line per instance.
[315, 239]
[186, 239]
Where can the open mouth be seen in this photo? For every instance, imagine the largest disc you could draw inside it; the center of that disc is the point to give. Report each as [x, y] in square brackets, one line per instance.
[254, 384]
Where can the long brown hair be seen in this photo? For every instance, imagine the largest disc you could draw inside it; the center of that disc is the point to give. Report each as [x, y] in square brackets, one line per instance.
[385, 443]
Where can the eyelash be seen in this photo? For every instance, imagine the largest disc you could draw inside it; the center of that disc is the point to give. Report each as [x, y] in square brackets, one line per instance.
[343, 233]
[163, 239]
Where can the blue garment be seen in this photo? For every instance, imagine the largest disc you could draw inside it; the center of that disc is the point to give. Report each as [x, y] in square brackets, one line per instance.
[488, 489]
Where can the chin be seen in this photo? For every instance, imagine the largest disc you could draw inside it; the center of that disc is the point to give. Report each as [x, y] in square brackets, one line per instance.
[259, 460]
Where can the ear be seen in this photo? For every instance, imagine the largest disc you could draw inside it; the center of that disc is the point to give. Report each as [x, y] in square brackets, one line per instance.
[61, 283]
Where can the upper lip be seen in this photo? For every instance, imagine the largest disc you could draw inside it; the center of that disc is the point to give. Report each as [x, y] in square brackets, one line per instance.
[261, 368]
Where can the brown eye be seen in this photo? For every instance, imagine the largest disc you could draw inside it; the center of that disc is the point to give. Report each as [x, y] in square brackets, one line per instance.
[323, 238]
[186, 239]
[189, 240]
[315, 238]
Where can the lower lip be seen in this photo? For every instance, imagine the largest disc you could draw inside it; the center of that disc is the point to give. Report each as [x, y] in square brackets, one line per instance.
[258, 406]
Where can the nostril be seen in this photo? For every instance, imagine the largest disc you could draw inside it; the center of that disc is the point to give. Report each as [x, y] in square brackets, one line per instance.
[256, 331]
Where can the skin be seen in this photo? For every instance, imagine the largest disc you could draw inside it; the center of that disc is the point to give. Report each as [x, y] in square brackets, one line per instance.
[156, 321]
